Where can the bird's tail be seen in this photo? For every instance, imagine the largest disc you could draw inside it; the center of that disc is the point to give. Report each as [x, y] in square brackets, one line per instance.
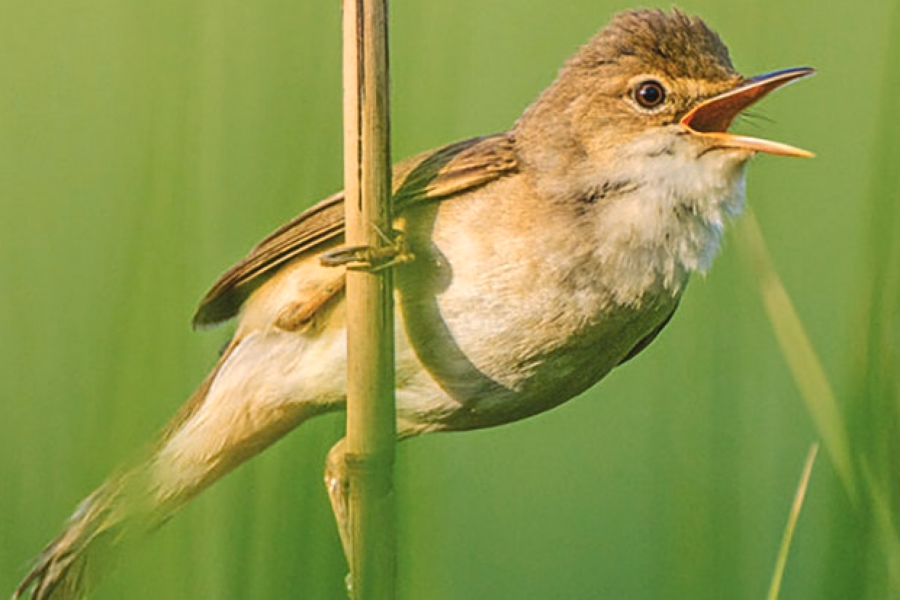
[68, 565]
[200, 445]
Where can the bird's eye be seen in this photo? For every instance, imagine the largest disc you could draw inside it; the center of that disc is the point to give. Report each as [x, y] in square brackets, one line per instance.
[649, 94]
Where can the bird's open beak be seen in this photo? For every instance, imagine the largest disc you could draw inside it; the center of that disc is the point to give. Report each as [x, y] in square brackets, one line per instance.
[711, 118]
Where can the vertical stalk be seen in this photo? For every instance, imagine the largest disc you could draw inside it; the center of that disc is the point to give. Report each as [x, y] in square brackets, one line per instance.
[371, 428]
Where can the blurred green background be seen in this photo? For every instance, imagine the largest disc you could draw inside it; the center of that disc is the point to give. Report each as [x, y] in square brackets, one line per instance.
[144, 147]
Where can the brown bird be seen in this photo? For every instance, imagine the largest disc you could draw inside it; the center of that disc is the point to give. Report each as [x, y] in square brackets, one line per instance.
[544, 257]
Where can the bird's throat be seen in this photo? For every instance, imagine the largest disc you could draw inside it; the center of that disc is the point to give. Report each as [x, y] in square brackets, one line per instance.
[651, 240]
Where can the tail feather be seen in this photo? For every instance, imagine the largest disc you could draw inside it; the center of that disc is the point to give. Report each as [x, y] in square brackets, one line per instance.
[211, 435]
[67, 567]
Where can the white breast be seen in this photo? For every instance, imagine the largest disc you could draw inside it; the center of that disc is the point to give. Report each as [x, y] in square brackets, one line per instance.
[672, 224]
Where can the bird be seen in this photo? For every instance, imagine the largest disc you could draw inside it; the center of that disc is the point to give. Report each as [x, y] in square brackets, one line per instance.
[541, 258]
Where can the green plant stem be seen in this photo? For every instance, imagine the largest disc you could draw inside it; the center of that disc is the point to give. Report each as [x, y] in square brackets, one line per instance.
[793, 516]
[801, 357]
[371, 429]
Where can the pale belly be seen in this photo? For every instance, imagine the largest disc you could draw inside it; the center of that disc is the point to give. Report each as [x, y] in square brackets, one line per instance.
[489, 337]
[497, 320]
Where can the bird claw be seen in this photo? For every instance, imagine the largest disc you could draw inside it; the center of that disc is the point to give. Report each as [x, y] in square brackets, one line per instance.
[370, 259]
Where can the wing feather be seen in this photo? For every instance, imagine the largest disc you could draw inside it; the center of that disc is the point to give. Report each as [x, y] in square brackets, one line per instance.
[429, 177]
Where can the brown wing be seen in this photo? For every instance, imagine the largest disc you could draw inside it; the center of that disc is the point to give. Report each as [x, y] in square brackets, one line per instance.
[428, 177]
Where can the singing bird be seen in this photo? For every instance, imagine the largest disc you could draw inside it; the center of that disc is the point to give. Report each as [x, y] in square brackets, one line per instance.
[544, 257]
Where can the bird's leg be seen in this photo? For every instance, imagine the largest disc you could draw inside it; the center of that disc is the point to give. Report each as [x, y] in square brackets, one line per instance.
[371, 259]
[336, 483]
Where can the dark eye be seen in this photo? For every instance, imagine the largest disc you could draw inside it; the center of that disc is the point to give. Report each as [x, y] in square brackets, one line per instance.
[650, 94]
